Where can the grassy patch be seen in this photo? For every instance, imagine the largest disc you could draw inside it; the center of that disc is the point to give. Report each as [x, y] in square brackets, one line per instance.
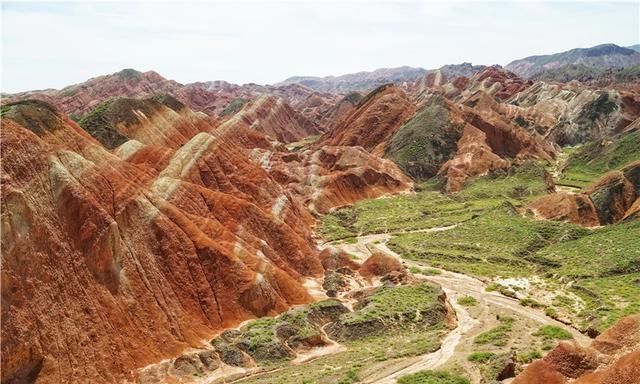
[498, 336]
[467, 301]
[528, 302]
[551, 332]
[432, 377]
[402, 303]
[591, 161]
[480, 357]
[428, 208]
[527, 357]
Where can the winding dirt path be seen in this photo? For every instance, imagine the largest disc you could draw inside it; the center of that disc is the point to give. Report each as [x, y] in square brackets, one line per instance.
[454, 285]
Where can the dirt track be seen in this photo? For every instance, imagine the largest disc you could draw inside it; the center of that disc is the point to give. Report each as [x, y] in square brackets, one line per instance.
[458, 343]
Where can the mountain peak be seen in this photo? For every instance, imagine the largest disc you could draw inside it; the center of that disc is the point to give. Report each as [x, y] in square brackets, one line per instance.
[602, 56]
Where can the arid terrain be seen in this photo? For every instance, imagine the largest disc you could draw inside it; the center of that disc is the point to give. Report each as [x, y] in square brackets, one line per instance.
[467, 224]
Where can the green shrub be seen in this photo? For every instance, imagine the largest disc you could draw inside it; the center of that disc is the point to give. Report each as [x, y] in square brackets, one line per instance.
[467, 301]
[432, 377]
[480, 357]
[551, 332]
[498, 336]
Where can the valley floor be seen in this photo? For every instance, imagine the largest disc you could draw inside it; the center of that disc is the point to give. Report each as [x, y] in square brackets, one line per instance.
[517, 285]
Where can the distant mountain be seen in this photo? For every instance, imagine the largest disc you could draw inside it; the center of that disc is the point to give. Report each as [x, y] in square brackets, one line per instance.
[464, 69]
[635, 47]
[210, 97]
[601, 56]
[360, 81]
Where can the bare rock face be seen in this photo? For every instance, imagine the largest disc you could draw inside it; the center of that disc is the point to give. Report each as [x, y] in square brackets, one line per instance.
[377, 117]
[379, 265]
[331, 177]
[495, 81]
[338, 112]
[569, 114]
[612, 358]
[190, 225]
[113, 260]
[276, 119]
[574, 208]
[608, 200]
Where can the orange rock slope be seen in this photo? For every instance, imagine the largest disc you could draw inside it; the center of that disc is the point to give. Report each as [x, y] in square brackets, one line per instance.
[112, 260]
[613, 197]
[612, 358]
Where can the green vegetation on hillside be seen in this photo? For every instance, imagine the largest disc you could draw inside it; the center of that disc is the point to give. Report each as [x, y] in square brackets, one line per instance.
[98, 124]
[428, 208]
[467, 301]
[405, 302]
[425, 142]
[590, 161]
[36, 115]
[494, 239]
[233, 107]
[366, 351]
[551, 332]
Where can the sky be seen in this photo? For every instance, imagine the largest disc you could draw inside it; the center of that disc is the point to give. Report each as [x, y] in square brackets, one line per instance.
[51, 45]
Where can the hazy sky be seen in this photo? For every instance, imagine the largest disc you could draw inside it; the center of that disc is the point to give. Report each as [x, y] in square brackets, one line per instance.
[50, 45]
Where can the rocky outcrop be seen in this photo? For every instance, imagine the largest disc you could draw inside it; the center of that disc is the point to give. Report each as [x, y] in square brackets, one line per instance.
[379, 265]
[275, 118]
[338, 112]
[377, 117]
[570, 114]
[612, 358]
[114, 260]
[495, 81]
[610, 199]
[331, 177]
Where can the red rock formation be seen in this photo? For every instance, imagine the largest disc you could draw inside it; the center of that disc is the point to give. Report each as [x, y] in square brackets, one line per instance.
[488, 142]
[182, 230]
[474, 157]
[608, 200]
[377, 117]
[562, 206]
[339, 112]
[112, 264]
[208, 97]
[276, 119]
[331, 177]
[380, 264]
[612, 358]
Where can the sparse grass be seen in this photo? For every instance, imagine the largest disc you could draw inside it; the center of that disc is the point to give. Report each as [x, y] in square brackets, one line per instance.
[590, 161]
[369, 353]
[468, 301]
[4, 109]
[480, 357]
[498, 336]
[528, 302]
[406, 302]
[432, 377]
[527, 357]
[551, 332]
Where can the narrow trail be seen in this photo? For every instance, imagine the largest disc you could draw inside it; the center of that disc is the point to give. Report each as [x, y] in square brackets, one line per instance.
[457, 344]
[454, 285]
